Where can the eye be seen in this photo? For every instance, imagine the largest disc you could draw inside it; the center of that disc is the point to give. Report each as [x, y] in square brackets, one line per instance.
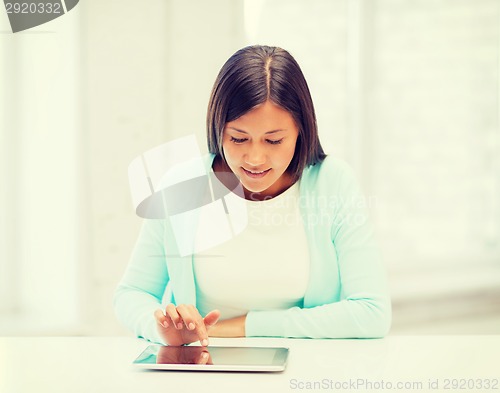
[237, 141]
[277, 142]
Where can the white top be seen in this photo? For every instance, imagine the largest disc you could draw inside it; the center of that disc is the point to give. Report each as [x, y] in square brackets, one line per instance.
[229, 276]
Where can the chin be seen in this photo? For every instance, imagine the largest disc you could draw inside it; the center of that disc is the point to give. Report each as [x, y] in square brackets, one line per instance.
[253, 189]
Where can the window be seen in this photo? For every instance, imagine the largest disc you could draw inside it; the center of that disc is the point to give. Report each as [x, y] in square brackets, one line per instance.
[40, 179]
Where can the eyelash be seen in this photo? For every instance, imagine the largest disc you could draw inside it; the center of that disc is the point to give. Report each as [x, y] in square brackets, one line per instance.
[238, 141]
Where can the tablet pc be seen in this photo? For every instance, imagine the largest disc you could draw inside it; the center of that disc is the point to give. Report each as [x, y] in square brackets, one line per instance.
[213, 358]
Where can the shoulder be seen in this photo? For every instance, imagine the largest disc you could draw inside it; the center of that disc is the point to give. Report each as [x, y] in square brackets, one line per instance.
[330, 172]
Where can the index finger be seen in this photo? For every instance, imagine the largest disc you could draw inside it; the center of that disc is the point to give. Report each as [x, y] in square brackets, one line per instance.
[194, 322]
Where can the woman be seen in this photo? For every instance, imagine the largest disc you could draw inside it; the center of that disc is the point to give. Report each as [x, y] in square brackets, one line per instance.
[306, 265]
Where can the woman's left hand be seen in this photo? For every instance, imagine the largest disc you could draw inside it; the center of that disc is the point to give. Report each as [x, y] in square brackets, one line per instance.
[234, 327]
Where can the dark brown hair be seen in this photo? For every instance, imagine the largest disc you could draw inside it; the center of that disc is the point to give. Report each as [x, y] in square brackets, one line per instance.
[249, 78]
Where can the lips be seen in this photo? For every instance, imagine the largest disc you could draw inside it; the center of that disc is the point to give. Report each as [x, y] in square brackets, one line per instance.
[255, 174]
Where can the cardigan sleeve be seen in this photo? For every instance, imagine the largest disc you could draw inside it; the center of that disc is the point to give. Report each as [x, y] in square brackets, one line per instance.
[141, 289]
[364, 308]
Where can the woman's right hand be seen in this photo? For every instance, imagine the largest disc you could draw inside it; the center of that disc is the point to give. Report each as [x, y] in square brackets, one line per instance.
[184, 324]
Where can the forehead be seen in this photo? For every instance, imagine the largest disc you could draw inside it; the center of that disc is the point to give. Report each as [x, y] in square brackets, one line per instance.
[265, 118]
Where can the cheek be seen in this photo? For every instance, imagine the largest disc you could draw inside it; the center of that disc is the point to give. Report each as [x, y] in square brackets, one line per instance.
[229, 152]
[288, 153]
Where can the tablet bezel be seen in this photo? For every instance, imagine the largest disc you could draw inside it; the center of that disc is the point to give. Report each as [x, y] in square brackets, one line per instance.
[279, 363]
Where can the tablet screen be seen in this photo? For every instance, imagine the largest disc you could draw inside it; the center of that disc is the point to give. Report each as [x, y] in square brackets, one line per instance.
[213, 358]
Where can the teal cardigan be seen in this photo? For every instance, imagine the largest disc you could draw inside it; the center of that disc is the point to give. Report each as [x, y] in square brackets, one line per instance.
[347, 294]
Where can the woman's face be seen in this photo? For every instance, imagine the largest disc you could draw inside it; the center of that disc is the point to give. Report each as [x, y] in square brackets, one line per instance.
[258, 148]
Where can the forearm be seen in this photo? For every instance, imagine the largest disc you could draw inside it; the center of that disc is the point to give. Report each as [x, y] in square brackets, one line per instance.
[142, 286]
[134, 309]
[344, 319]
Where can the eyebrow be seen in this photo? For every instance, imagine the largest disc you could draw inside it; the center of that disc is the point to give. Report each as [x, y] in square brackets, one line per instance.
[268, 132]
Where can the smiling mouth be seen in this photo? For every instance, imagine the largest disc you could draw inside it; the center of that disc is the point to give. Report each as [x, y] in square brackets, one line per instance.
[256, 173]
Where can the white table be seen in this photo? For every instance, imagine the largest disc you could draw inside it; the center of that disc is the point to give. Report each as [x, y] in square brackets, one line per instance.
[103, 365]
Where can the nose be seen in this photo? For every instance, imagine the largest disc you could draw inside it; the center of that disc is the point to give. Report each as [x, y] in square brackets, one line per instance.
[255, 156]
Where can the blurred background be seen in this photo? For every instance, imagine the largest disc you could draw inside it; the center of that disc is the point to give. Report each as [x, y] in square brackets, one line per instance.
[406, 91]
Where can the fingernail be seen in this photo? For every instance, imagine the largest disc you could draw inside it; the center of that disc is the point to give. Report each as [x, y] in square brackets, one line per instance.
[204, 355]
[204, 342]
[179, 326]
[165, 324]
[191, 326]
